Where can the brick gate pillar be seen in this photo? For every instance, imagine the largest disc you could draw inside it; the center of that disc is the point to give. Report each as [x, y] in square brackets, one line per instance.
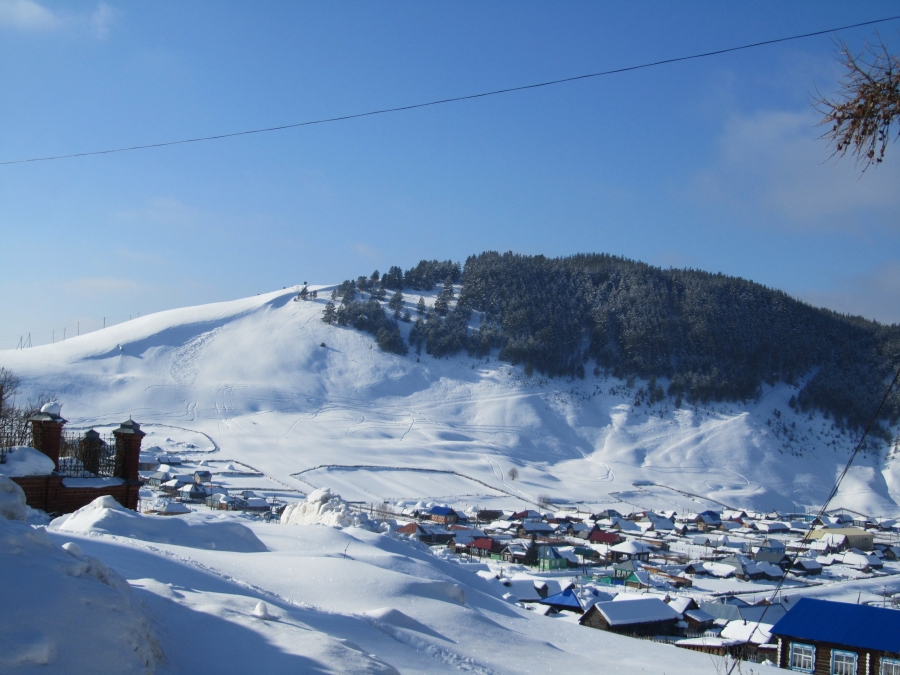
[128, 450]
[46, 431]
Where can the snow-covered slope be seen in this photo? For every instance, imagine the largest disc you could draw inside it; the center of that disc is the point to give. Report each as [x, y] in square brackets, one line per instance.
[254, 376]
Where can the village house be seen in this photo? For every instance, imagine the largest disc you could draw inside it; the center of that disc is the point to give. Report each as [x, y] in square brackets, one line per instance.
[630, 550]
[551, 559]
[838, 638]
[426, 533]
[443, 514]
[641, 617]
[854, 537]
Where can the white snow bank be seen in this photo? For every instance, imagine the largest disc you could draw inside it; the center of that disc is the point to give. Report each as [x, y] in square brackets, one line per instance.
[24, 461]
[64, 612]
[106, 516]
[322, 507]
[12, 500]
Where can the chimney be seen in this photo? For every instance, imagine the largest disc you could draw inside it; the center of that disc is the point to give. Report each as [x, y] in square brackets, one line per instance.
[46, 431]
[128, 449]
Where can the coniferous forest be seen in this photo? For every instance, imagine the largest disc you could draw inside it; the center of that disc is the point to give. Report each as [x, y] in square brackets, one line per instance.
[695, 336]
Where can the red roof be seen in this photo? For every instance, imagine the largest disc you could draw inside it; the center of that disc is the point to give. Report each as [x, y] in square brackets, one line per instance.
[409, 528]
[482, 543]
[600, 537]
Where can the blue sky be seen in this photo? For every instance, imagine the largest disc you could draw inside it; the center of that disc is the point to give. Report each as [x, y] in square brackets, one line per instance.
[712, 164]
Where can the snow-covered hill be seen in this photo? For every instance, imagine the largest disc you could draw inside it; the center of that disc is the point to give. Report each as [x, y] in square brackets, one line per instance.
[317, 405]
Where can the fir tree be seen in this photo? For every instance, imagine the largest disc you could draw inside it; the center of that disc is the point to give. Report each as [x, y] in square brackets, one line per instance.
[329, 315]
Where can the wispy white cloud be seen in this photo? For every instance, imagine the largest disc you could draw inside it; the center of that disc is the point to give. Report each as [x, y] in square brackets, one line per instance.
[32, 16]
[102, 19]
[875, 295]
[771, 169]
[27, 15]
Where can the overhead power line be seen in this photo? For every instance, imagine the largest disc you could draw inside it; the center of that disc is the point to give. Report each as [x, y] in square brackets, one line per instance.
[454, 99]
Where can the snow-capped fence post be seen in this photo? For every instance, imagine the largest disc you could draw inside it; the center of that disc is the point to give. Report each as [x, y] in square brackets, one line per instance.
[46, 431]
[128, 450]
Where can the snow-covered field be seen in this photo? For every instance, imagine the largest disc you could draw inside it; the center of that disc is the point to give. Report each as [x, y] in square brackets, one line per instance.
[269, 398]
[249, 380]
[334, 600]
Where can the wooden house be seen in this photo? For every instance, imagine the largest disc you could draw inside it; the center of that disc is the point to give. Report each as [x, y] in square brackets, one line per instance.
[551, 559]
[838, 638]
[630, 550]
[646, 616]
[443, 514]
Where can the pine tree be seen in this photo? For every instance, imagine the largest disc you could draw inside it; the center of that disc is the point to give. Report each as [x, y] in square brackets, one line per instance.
[396, 302]
[420, 306]
[531, 553]
[329, 315]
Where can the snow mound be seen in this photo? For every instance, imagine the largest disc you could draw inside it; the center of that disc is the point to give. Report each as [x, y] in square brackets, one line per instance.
[64, 612]
[323, 507]
[52, 408]
[105, 515]
[12, 500]
[24, 461]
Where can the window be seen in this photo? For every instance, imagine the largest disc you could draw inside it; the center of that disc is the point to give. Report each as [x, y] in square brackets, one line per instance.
[843, 663]
[890, 667]
[803, 657]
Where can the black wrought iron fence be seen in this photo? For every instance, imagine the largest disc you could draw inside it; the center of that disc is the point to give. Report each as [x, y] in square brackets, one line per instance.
[87, 454]
[13, 431]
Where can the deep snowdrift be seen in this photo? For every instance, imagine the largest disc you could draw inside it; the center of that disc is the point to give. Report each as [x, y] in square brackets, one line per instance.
[105, 515]
[63, 611]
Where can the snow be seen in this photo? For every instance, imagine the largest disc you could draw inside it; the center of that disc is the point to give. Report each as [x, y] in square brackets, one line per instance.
[104, 515]
[245, 388]
[641, 610]
[52, 408]
[12, 500]
[22, 460]
[66, 612]
[325, 508]
[747, 631]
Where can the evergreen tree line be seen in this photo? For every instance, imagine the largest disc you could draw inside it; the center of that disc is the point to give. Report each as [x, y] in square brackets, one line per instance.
[713, 337]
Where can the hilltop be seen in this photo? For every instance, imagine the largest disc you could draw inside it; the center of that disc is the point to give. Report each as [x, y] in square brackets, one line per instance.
[316, 404]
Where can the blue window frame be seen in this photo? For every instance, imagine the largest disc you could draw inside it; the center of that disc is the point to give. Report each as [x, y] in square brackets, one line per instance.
[843, 663]
[890, 666]
[803, 657]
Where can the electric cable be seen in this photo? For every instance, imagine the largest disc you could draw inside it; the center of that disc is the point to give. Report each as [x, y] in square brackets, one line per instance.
[831, 495]
[443, 101]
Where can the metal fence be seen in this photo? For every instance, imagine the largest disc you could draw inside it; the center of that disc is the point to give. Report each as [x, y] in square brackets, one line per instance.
[13, 431]
[87, 454]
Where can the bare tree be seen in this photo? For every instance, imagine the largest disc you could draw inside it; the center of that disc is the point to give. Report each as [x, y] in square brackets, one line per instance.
[9, 385]
[866, 110]
[513, 473]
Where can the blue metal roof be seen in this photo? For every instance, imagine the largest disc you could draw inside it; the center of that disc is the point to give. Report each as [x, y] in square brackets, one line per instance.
[566, 599]
[441, 511]
[859, 626]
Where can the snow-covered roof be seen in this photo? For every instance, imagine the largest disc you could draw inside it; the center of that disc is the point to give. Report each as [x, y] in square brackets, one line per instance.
[747, 631]
[644, 610]
[631, 548]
